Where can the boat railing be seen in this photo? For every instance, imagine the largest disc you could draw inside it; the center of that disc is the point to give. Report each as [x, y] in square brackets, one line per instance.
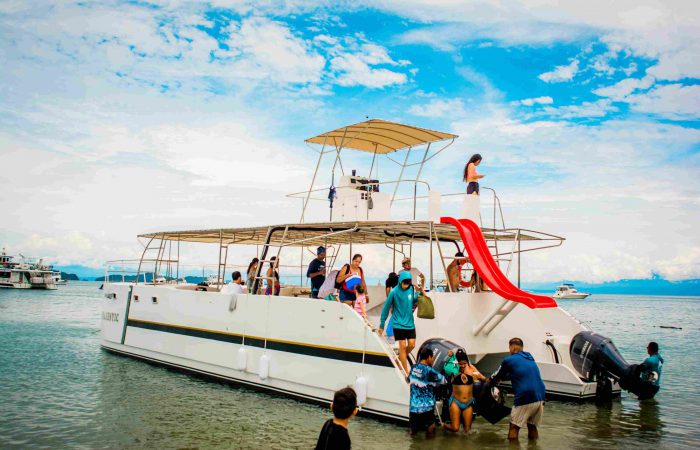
[127, 270]
[305, 196]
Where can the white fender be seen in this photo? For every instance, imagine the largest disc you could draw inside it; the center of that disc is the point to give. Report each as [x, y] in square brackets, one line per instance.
[361, 390]
[242, 358]
[264, 367]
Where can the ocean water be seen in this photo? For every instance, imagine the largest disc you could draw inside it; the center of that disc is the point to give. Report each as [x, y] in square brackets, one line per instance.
[59, 390]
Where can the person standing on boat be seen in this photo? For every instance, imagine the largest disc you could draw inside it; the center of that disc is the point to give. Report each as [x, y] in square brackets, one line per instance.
[651, 367]
[250, 274]
[416, 275]
[454, 272]
[273, 278]
[402, 299]
[317, 271]
[347, 280]
[470, 176]
[522, 371]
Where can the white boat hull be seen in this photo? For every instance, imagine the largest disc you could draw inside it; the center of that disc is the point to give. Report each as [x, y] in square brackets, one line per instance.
[315, 347]
[579, 296]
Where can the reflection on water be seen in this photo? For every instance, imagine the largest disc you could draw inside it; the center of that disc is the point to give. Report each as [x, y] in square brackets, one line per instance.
[59, 390]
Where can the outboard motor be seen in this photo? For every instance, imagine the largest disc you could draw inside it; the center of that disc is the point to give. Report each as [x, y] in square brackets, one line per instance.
[596, 358]
[489, 399]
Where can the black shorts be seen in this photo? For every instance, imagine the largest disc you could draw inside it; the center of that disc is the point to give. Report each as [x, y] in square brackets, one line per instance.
[473, 187]
[421, 421]
[400, 334]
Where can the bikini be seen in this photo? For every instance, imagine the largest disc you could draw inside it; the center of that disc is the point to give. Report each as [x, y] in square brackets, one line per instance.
[457, 381]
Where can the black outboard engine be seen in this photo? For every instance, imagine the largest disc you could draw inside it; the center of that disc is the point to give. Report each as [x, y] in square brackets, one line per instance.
[596, 358]
[489, 399]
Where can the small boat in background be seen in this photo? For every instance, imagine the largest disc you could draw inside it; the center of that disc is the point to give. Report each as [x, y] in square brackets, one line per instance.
[567, 290]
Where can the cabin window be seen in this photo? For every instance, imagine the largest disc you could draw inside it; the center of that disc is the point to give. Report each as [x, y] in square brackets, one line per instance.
[154, 299]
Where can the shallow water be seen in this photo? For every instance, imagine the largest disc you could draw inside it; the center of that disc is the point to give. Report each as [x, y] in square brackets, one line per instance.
[58, 389]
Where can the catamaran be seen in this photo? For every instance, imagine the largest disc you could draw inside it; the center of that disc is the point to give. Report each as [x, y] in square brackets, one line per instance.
[308, 348]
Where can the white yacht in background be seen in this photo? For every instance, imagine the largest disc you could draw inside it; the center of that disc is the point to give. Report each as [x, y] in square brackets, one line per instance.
[27, 274]
[568, 291]
[308, 348]
[57, 278]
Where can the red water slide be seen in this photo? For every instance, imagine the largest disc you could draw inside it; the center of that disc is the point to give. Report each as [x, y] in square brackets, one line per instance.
[488, 270]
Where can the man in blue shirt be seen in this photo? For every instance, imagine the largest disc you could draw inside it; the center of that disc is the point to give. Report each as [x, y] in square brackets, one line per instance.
[423, 378]
[522, 371]
[651, 367]
[317, 271]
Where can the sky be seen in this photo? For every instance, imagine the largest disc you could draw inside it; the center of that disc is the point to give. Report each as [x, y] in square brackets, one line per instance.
[123, 117]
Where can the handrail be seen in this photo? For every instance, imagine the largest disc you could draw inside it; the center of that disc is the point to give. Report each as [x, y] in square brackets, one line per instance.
[296, 194]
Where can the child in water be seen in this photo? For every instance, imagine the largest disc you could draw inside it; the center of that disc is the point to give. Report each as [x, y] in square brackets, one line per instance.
[334, 434]
[360, 301]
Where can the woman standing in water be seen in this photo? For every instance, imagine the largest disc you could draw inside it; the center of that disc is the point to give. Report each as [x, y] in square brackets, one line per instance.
[462, 398]
[470, 176]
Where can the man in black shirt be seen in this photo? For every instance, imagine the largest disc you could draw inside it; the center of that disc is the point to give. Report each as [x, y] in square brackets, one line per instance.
[317, 271]
[334, 434]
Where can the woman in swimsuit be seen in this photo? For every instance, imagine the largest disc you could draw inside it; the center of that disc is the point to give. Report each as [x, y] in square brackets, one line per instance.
[470, 176]
[462, 399]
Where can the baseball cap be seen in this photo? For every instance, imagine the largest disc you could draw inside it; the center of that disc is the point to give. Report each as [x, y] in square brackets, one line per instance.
[320, 250]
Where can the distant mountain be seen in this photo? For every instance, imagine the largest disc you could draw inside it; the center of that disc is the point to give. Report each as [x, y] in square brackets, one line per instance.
[82, 272]
[69, 276]
[650, 286]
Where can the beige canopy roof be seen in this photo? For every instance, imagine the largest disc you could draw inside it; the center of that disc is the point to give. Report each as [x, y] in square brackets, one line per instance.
[379, 136]
[328, 233]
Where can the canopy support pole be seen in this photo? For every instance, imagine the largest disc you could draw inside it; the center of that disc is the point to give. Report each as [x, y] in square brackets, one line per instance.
[398, 182]
[313, 180]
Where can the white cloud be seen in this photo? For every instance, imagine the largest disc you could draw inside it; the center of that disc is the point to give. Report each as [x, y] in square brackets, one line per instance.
[354, 67]
[265, 48]
[671, 101]
[620, 90]
[560, 73]
[599, 108]
[438, 108]
[544, 100]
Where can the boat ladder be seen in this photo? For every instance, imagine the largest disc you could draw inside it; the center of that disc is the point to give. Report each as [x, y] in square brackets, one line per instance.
[495, 317]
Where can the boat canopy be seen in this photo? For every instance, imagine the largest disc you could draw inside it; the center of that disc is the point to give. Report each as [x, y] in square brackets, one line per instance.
[328, 233]
[379, 136]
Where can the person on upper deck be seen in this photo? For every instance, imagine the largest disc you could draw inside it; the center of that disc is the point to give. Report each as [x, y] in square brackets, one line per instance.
[470, 176]
[272, 277]
[416, 275]
[250, 273]
[349, 276]
[236, 284]
[402, 299]
[454, 272]
[317, 271]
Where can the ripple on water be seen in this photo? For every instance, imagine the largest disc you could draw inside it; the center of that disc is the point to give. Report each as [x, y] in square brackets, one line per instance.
[60, 390]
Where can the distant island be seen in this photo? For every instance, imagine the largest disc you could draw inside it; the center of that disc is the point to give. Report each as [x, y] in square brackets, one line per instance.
[69, 276]
[114, 278]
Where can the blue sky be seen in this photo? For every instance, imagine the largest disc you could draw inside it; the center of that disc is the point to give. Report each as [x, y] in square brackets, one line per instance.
[122, 117]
